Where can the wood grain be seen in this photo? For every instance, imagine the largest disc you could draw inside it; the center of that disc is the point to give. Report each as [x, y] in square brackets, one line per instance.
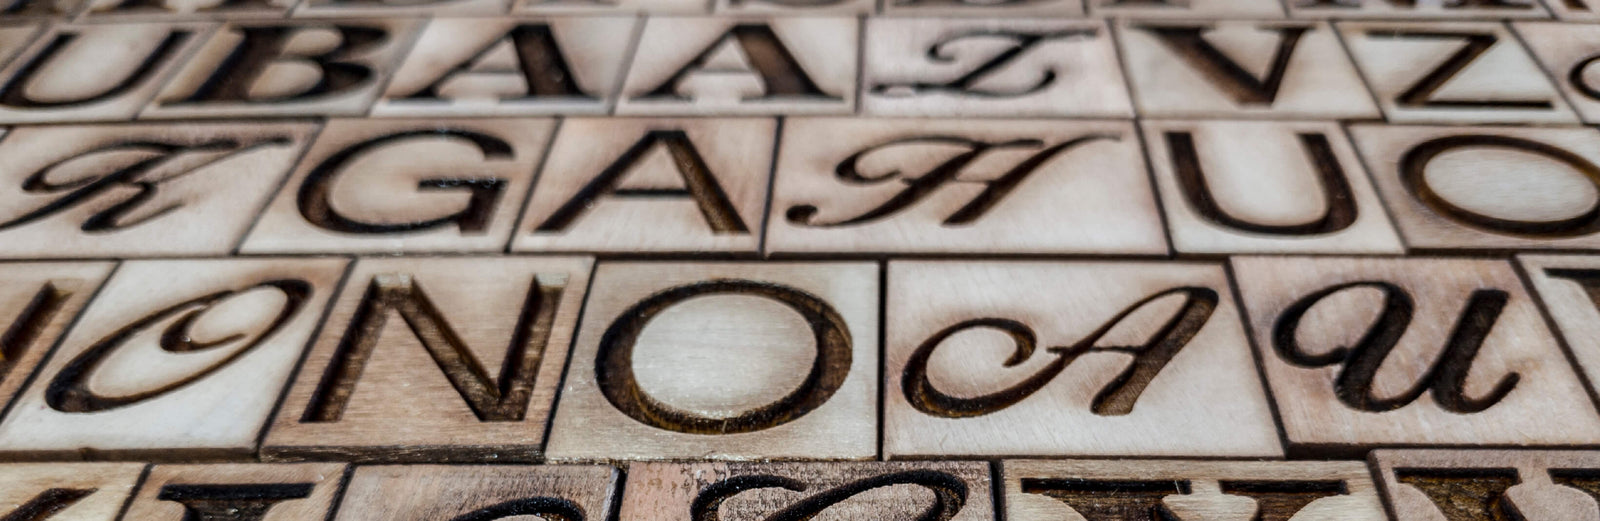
[1567, 51]
[474, 345]
[94, 72]
[1488, 484]
[67, 491]
[956, 491]
[37, 302]
[244, 492]
[435, 492]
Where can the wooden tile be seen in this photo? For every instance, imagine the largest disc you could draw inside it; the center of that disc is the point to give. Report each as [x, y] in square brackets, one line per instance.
[970, 8]
[733, 66]
[1169, 489]
[1140, 359]
[955, 491]
[431, 492]
[37, 302]
[66, 491]
[1362, 352]
[612, 7]
[450, 185]
[1265, 187]
[93, 72]
[476, 350]
[1424, 485]
[388, 8]
[245, 492]
[511, 66]
[1487, 187]
[962, 186]
[1442, 9]
[139, 190]
[173, 359]
[651, 377]
[170, 10]
[992, 67]
[652, 185]
[1459, 72]
[1575, 10]
[39, 9]
[1569, 52]
[294, 78]
[1563, 283]
[1205, 9]
[1242, 69]
[794, 7]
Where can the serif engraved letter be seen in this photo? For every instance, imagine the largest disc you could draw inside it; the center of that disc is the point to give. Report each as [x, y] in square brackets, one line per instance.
[1446, 379]
[614, 361]
[47, 504]
[1466, 494]
[69, 391]
[949, 494]
[701, 185]
[492, 399]
[1421, 93]
[546, 508]
[1105, 500]
[1244, 88]
[780, 73]
[1115, 399]
[539, 60]
[242, 502]
[1340, 204]
[262, 48]
[484, 193]
[14, 92]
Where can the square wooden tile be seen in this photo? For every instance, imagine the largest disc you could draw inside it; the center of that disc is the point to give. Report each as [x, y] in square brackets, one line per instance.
[1460, 72]
[703, 360]
[612, 7]
[1487, 187]
[139, 189]
[67, 491]
[1569, 52]
[511, 66]
[1069, 359]
[92, 72]
[955, 491]
[1575, 10]
[173, 359]
[1363, 352]
[794, 7]
[430, 492]
[1488, 484]
[970, 8]
[1265, 187]
[37, 302]
[1039, 490]
[1569, 287]
[39, 9]
[652, 185]
[405, 185]
[743, 66]
[249, 491]
[1242, 69]
[171, 10]
[294, 78]
[1410, 9]
[962, 186]
[388, 8]
[1202, 9]
[474, 345]
[999, 67]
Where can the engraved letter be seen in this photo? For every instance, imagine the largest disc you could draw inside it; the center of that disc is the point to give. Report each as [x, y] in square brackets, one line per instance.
[949, 494]
[546, 508]
[47, 504]
[1421, 93]
[1100, 500]
[1341, 206]
[702, 186]
[484, 192]
[14, 93]
[243, 502]
[1413, 172]
[1465, 493]
[262, 47]
[967, 83]
[779, 71]
[1190, 44]
[539, 59]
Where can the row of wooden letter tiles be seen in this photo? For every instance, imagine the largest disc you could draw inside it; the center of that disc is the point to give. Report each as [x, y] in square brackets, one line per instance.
[437, 359]
[1042, 67]
[1402, 485]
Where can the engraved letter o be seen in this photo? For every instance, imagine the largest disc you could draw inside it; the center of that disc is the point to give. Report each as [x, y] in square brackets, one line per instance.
[1414, 164]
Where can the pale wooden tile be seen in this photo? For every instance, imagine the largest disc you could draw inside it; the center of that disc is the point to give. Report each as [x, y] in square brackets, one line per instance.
[170, 10]
[1056, 359]
[962, 186]
[1187, 9]
[291, 80]
[16, 34]
[1412, 9]
[388, 8]
[432, 492]
[955, 491]
[969, 8]
[1363, 352]
[510, 66]
[173, 359]
[408, 185]
[652, 185]
[37, 302]
[1425, 485]
[247, 492]
[39, 9]
[794, 7]
[1574, 10]
[1242, 69]
[704, 360]
[743, 66]
[1569, 53]
[92, 72]
[1265, 187]
[66, 491]
[1568, 284]
[139, 189]
[612, 7]
[1169, 489]
[991, 67]
[446, 359]
[1487, 187]
[1459, 72]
